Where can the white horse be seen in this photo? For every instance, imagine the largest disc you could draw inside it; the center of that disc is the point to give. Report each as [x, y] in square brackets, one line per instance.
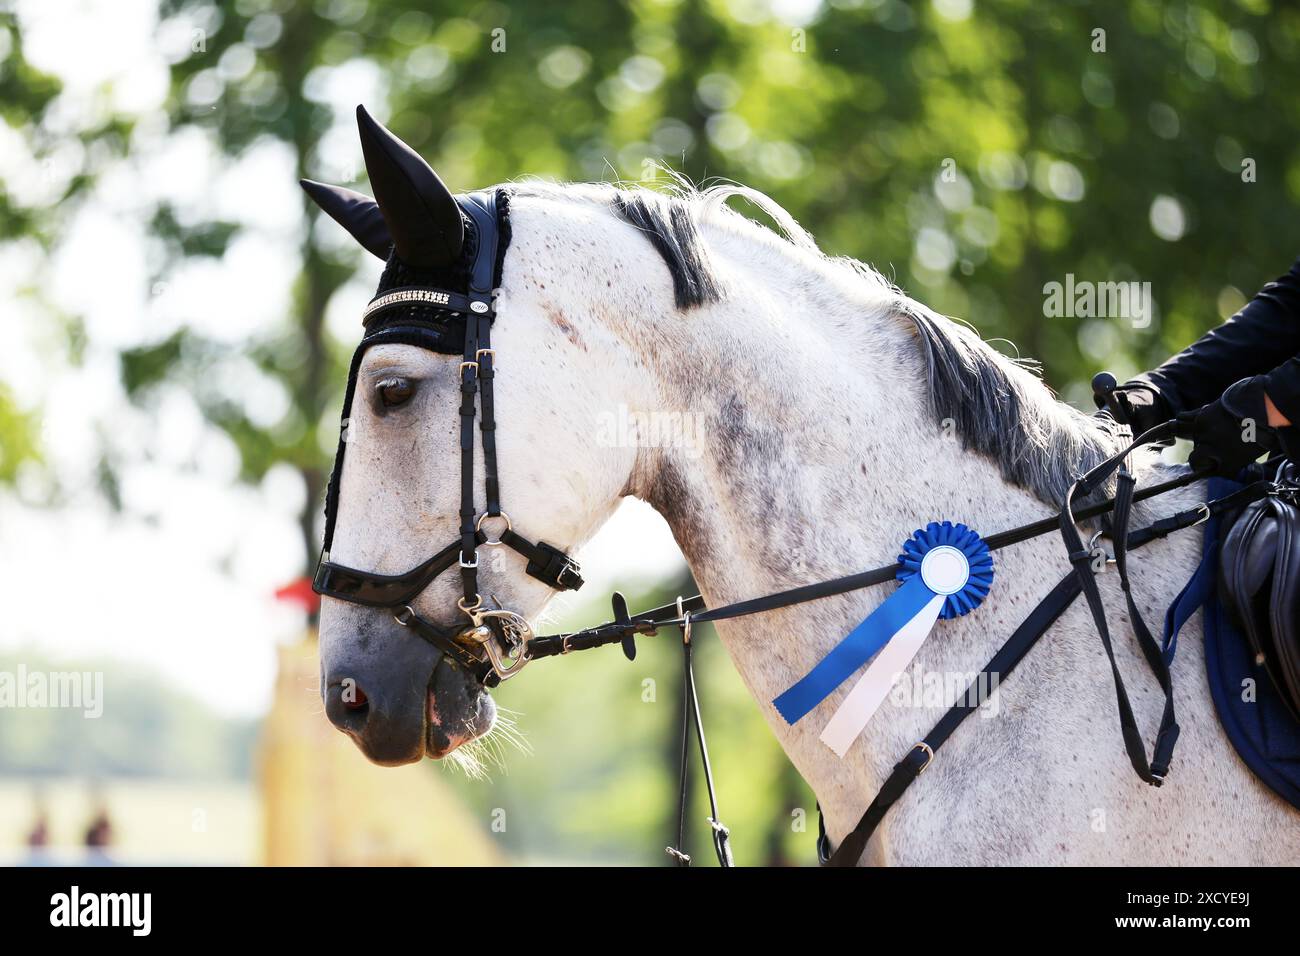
[837, 416]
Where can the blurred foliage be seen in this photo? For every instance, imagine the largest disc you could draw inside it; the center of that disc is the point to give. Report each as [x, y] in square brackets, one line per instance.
[18, 431]
[973, 151]
[205, 239]
[25, 93]
[146, 729]
[28, 101]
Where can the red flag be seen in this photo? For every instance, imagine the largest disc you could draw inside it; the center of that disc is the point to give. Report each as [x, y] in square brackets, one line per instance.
[299, 592]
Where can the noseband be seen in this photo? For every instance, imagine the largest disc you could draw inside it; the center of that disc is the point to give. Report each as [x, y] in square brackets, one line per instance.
[493, 645]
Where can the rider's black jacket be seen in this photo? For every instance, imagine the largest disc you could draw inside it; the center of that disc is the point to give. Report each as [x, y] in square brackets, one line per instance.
[1264, 337]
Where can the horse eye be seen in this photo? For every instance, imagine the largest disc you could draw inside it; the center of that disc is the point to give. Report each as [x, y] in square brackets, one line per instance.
[395, 391]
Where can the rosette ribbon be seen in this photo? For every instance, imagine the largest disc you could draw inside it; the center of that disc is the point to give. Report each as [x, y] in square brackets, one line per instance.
[946, 571]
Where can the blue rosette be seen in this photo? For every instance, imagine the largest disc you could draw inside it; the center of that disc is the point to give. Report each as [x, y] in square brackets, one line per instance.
[940, 561]
[952, 560]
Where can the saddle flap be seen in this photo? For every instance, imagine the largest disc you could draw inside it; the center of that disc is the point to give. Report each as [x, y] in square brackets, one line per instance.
[1260, 578]
[1284, 607]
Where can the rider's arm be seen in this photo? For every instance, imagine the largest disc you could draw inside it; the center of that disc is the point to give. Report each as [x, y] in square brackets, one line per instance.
[1282, 387]
[1250, 343]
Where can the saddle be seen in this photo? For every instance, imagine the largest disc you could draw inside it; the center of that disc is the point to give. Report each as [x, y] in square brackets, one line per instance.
[1251, 558]
[1259, 581]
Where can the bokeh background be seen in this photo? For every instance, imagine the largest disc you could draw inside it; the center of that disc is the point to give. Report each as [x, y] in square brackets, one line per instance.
[175, 322]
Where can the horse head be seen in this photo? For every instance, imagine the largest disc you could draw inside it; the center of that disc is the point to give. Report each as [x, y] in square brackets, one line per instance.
[493, 467]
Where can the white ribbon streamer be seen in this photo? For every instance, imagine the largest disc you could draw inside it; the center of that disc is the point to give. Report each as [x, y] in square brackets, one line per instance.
[873, 686]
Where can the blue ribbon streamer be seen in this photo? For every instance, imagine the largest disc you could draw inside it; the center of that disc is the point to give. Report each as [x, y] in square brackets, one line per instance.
[862, 644]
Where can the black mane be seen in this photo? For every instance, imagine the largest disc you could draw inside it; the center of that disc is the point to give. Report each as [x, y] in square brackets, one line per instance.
[668, 223]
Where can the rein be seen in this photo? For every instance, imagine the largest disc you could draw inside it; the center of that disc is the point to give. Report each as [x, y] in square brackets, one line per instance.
[624, 628]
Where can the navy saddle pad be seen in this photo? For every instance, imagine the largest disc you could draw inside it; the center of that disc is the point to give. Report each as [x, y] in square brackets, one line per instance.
[1250, 708]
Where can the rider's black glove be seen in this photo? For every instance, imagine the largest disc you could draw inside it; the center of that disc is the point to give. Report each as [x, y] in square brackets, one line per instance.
[1229, 434]
[1144, 408]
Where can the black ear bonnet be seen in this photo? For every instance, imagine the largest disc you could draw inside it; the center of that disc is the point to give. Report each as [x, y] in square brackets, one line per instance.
[438, 328]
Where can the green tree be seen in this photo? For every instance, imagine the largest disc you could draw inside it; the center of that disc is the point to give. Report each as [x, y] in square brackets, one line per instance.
[63, 179]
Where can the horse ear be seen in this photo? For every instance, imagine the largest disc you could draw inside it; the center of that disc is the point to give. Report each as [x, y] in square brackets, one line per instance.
[420, 211]
[356, 213]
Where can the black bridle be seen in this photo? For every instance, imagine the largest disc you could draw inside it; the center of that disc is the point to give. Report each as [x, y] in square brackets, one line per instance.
[494, 645]
[497, 643]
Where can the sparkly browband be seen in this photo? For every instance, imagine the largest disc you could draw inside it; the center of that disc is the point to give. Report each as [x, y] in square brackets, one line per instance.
[438, 298]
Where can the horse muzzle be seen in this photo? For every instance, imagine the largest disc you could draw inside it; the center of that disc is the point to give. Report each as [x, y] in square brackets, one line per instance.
[399, 700]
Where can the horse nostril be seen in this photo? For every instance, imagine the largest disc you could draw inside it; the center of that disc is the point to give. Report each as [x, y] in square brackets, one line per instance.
[357, 700]
[347, 707]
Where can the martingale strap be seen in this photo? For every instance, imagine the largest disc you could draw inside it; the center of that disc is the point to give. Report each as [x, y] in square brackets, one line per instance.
[917, 759]
[1154, 770]
[721, 836]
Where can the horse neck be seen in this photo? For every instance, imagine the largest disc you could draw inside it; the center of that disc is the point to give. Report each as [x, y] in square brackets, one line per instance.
[817, 456]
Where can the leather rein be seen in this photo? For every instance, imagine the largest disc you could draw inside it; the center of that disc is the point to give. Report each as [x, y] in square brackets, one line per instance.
[496, 644]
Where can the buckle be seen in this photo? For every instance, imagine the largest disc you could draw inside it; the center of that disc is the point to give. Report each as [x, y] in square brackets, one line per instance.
[925, 749]
[569, 577]
[1090, 553]
[552, 566]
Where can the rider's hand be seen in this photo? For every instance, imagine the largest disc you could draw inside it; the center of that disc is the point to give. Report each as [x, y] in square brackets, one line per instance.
[1143, 406]
[1229, 434]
